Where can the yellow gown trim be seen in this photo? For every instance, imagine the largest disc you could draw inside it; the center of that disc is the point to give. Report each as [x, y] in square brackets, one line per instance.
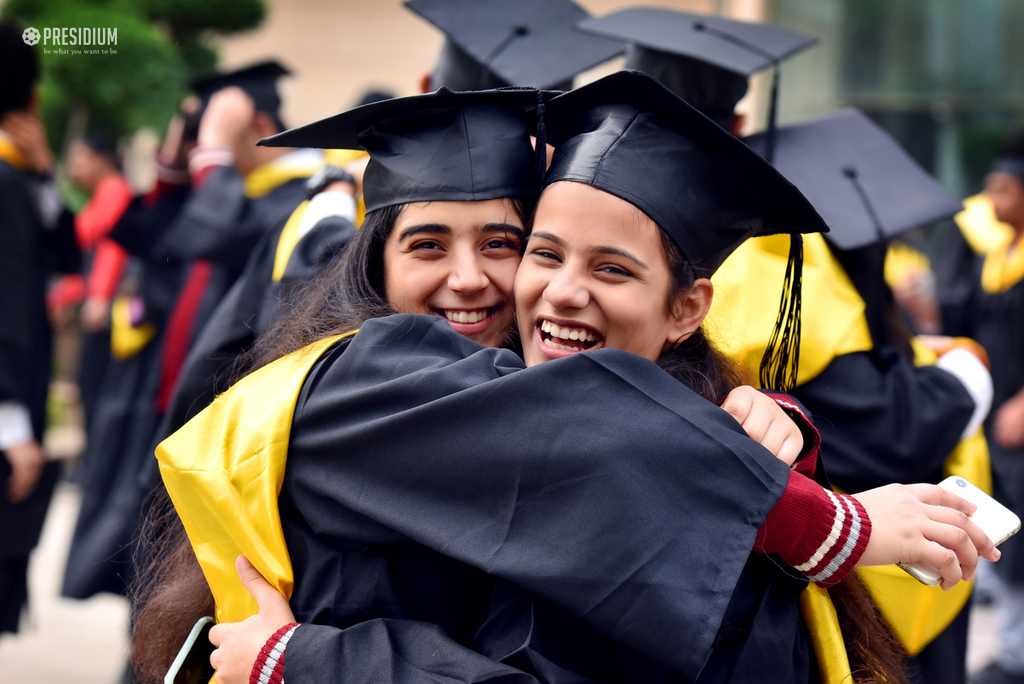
[125, 339]
[224, 471]
[826, 637]
[11, 154]
[341, 158]
[1003, 268]
[263, 179]
[902, 262]
[980, 227]
[289, 238]
[833, 321]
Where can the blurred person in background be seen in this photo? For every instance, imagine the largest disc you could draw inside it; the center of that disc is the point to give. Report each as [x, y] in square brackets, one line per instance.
[94, 165]
[992, 312]
[36, 240]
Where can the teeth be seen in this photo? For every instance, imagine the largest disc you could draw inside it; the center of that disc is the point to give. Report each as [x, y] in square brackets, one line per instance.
[466, 316]
[558, 333]
[562, 347]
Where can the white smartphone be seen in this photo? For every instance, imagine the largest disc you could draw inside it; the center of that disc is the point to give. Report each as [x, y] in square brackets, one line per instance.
[994, 519]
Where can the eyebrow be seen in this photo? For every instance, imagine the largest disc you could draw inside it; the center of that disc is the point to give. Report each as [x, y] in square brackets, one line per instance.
[596, 250]
[442, 229]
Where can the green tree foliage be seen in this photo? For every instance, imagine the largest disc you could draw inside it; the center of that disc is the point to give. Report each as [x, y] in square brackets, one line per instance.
[161, 46]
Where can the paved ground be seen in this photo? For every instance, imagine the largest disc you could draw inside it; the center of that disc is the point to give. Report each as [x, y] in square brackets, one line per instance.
[83, 642]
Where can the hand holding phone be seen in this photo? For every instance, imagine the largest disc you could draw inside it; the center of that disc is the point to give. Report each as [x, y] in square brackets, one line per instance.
[192, 664]
[994, 519]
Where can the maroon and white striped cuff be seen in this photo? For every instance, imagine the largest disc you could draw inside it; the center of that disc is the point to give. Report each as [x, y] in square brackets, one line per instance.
[215, 155]
[844, 545]
[269, 665]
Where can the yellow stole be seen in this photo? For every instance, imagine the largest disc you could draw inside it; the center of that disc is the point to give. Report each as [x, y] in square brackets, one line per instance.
[980, 227]
[263, 179]
[224, 470]
[125, 339]
[289, 239]
[11, 154]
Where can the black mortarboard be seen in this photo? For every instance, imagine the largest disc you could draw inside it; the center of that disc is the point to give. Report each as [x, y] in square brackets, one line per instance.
[456, 146]
[859, 179]
[494, 43]
[259, 81]
[704, 59]
[630, 136]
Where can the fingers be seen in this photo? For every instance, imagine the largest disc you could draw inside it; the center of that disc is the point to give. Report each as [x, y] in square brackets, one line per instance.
[935, 495]
[268, 598]
[738, 404]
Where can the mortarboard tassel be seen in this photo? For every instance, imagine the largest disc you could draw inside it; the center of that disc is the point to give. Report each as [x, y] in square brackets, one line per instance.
[781, 361]
[542, 139]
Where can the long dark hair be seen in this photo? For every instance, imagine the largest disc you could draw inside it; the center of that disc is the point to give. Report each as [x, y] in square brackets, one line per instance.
[875, 654]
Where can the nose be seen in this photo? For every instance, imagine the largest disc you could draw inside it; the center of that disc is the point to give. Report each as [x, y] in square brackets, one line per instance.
[467, 275]
[566, 290]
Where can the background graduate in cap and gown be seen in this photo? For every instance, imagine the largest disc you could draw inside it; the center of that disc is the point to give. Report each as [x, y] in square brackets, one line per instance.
[892, 414]
[241, 199]
[120, 443]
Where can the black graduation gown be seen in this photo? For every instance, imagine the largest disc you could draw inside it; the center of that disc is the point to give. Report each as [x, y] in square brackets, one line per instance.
[29, 251]
[222, 225]
[121, 434]
[411, 472]
[996, 321]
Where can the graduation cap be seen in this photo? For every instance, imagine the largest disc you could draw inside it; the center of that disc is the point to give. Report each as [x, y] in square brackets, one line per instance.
[859, 179]
[442, 146]
[259, 81]
[630, 136]
[495, 43]
[704, 59]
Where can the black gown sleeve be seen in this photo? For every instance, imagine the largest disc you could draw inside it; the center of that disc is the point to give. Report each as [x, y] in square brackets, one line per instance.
[612, 513]
[882, 419]
[396, 651]
[220, 224]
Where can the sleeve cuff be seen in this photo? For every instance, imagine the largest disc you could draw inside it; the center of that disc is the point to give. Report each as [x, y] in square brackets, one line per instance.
[202, 159]
[820, 533]
[15, 425]
[972, 374]
[269, 665]
[807, 462]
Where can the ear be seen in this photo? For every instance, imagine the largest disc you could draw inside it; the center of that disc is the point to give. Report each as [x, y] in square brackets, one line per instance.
[689, 311]
[263, 125]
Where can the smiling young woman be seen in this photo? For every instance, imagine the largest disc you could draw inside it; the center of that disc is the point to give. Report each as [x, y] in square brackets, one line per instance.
[457, 260]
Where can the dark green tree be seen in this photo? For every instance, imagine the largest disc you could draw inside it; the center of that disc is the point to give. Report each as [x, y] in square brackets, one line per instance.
[161, 46]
